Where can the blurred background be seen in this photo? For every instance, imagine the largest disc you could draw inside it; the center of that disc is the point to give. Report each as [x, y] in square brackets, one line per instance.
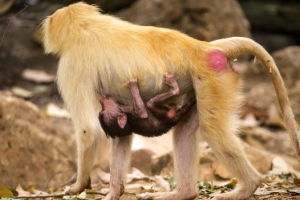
[37, 144]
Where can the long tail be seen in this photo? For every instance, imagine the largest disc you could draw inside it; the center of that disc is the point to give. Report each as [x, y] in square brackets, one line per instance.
[237, 45]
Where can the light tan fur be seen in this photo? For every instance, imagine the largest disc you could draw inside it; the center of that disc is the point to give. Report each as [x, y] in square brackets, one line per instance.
[99, 53]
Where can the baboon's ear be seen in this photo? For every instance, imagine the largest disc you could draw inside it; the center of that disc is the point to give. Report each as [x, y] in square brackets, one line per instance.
[122, 119]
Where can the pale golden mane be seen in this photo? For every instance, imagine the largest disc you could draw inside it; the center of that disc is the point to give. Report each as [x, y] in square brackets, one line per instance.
[99, 34]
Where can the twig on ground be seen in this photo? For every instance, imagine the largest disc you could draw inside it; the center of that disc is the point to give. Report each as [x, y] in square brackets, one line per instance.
[25, 6]
[53, 195]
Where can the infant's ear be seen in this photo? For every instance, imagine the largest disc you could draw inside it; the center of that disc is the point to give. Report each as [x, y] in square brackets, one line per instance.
[122, 119]
[172, 112]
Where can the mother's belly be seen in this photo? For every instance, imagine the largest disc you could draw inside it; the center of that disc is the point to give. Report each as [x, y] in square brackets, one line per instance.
[123, 95]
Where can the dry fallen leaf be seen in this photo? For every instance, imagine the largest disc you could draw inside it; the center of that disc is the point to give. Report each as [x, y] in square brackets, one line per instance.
[249, 120]
[5, 192]
[5, 5]
[21, 191]
[294, 189]
[266, 191]
[37, 76]
[280, 166]
[162, 183]
[53, 110]
[20, 92]
[82, 195]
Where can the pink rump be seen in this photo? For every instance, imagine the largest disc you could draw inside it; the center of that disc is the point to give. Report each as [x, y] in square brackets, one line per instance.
[217, 61]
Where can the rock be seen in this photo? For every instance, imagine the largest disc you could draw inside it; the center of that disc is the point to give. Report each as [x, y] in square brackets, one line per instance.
[273, 16]
[274, 142]
[274, 24]
[141, 160]
[260, 159]
[204, 20]
[32, 149]
[210, 169]
[258, 86]
[272, 41]
[288, 62]
[158, 145]
[111, 5]
[19, 52]
[158, 163]
[265, 147]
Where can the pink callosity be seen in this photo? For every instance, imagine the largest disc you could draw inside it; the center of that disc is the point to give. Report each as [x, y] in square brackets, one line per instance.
[218, 61]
